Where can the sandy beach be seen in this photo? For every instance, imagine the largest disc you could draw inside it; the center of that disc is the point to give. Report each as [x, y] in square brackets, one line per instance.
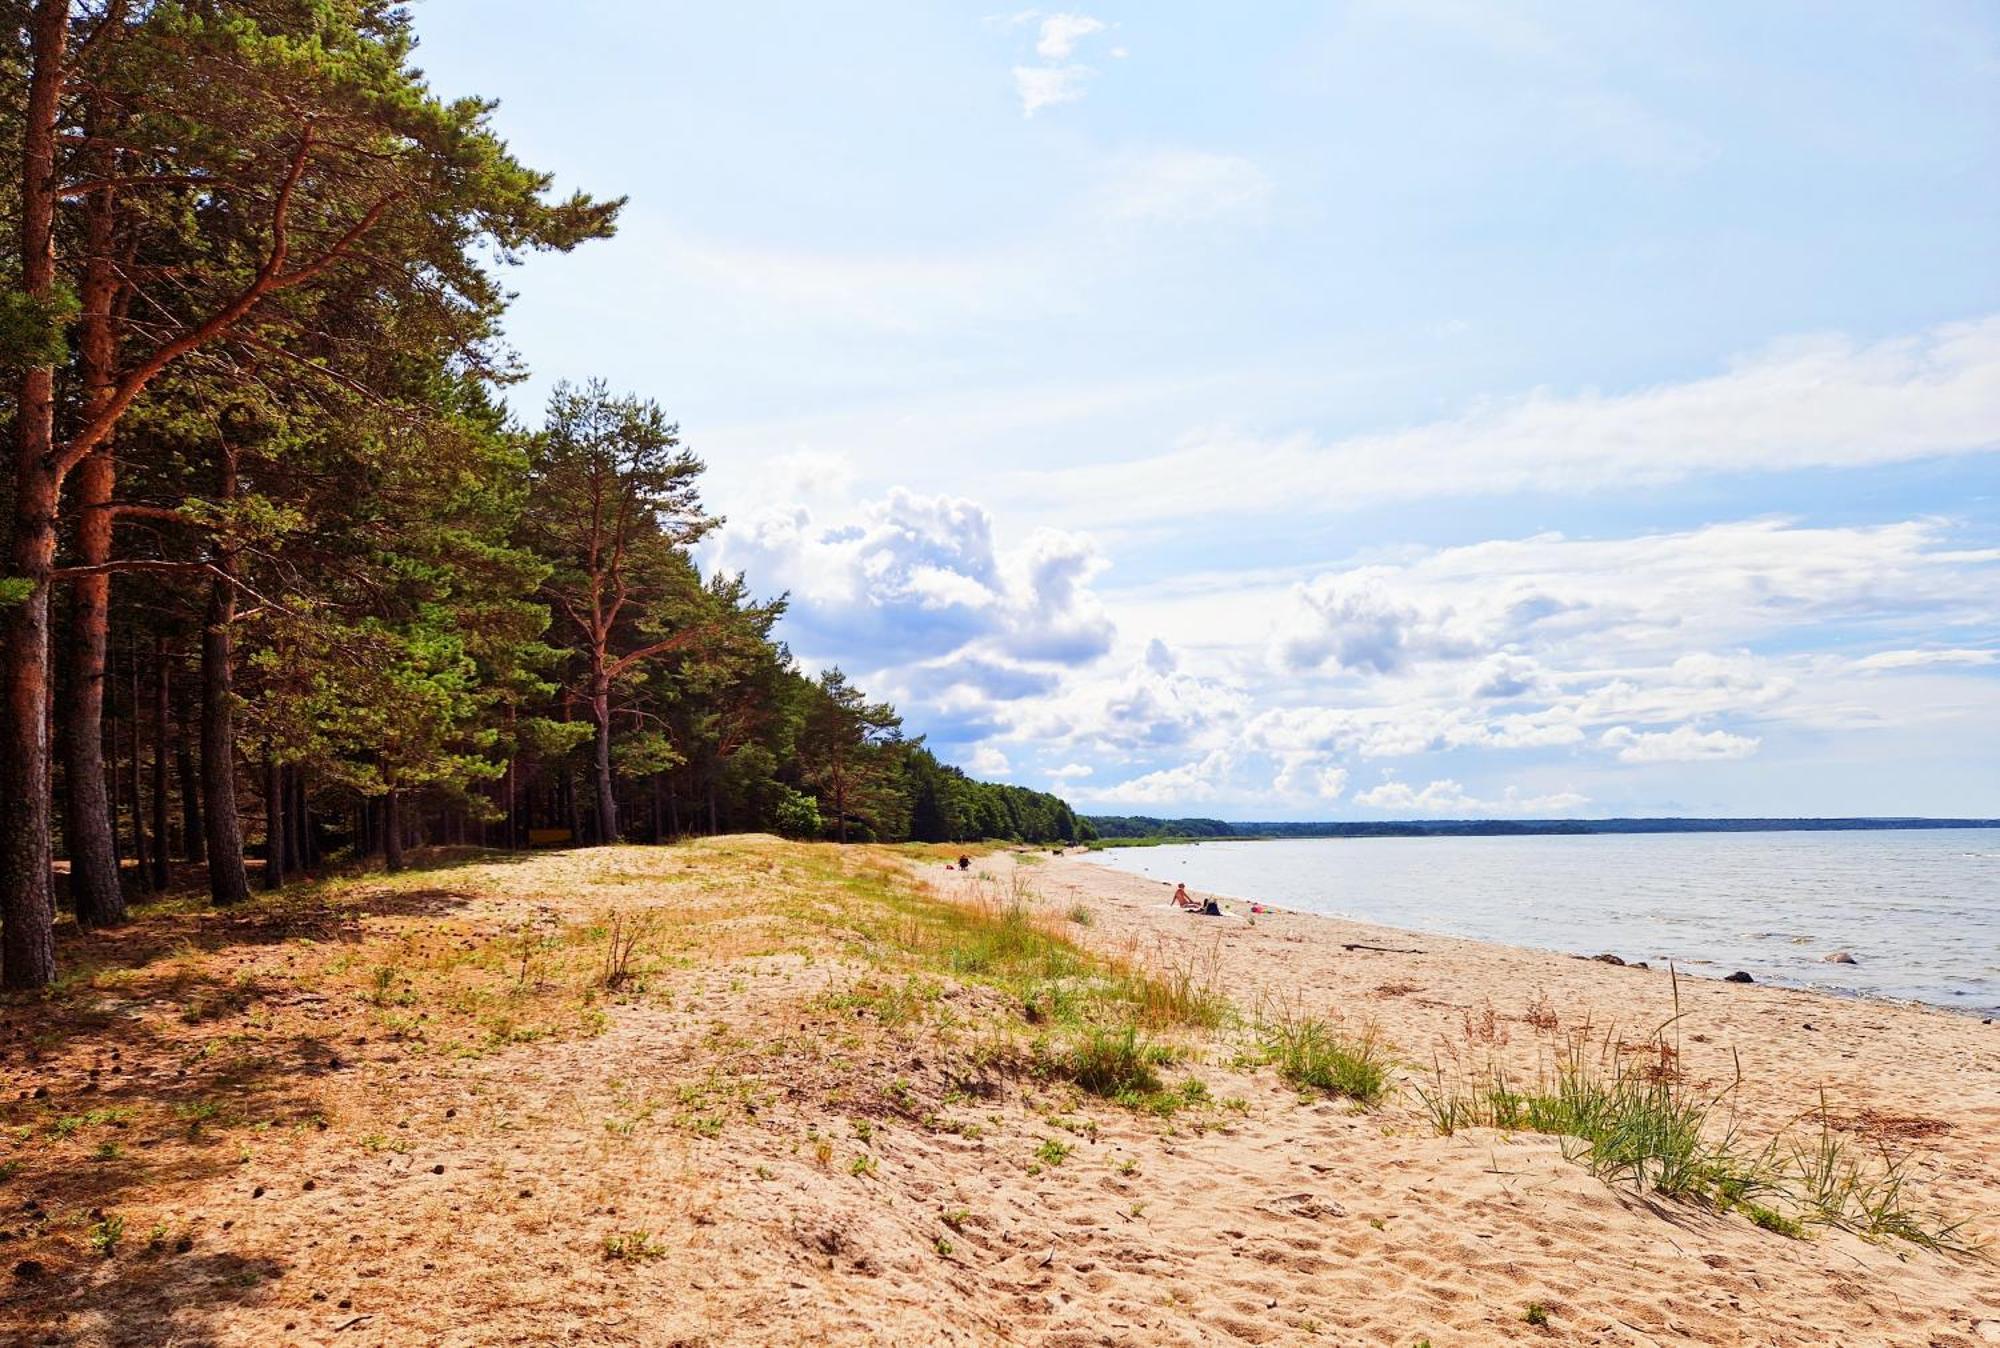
[1476, 1225]
[786, 1132]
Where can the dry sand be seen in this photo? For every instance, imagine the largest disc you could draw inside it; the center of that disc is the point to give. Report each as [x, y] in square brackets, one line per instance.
[1476, 1225]
[786, 1171]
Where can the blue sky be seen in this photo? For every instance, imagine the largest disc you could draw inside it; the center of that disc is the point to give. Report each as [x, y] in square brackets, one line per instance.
[1332, 410]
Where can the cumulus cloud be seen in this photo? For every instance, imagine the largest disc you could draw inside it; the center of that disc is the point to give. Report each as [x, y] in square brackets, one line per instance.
[1309, 775]
[911, 578]
[997, 680]
[1188, 783]
[1623, 656]
[1682, 744]
[987, 761]
[1502, 678]
[1357, 620]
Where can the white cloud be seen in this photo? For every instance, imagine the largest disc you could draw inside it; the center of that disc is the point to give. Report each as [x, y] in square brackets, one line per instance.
[1623, 656]
[1070, 772]
[1824, 402]
[1446, 795]
[1655, 599]
[987, 762]
[1928, 659]
[1682, 744]
[1190, 782]
[1061, 32]
[907, 579]
[1311, 776]
[1356, 620]
[1049, 86]
[1060, 78]
[1502, 678]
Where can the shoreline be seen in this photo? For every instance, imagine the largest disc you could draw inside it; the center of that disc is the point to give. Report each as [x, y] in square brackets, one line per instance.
[1688, 968]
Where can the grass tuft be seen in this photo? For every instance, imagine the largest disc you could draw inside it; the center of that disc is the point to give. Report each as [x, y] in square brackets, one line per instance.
[1311, 1054]
[1629, 1115]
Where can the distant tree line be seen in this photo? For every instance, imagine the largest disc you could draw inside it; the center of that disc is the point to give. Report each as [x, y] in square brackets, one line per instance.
[282, 580]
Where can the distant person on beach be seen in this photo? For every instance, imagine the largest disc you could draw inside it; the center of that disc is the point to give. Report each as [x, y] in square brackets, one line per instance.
[964, 862]
[1183, 899]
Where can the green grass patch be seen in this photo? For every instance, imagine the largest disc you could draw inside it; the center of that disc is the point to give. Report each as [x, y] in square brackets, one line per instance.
[1312, 1054]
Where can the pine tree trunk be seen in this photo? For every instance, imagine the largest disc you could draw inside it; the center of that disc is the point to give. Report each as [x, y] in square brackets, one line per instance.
[392, 831]
[193, 835]
[607, 797]
[141, 845]
[274, 822]
[90, 834]
[27, 902]
[228, 881]
[299, 856]
[510, 802]
[112, 783]
[508, 822]
[572, 812]
[162, 703]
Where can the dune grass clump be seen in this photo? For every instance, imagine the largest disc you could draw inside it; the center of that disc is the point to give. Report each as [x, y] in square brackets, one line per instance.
[1115, 1063]
[1312, 1054]
[1629, 1115]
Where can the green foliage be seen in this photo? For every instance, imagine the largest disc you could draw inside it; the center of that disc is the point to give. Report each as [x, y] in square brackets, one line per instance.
[34, 329]
[1310, 1054]
[1115, 1062]
[797, 814]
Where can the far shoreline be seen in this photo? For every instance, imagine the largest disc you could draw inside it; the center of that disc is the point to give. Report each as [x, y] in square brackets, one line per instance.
[1226, 830]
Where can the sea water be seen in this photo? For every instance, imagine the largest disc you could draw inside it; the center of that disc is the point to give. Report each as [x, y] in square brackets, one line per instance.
[1919, 909]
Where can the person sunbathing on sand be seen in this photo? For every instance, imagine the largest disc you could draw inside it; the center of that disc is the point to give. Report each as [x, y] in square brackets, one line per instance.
[1183, 899]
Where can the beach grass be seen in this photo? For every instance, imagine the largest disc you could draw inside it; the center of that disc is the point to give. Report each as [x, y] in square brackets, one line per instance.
[1631, 1115]
[1312, 1053]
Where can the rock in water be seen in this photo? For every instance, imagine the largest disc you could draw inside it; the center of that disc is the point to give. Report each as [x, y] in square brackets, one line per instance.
[1739, 977]
[1609, 959]
[1841, 957]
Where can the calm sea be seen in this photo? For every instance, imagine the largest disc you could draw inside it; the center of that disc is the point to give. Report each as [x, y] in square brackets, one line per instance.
[1918, 910]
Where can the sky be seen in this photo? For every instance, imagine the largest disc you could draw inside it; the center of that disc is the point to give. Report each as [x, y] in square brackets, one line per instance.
[1344, 410]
